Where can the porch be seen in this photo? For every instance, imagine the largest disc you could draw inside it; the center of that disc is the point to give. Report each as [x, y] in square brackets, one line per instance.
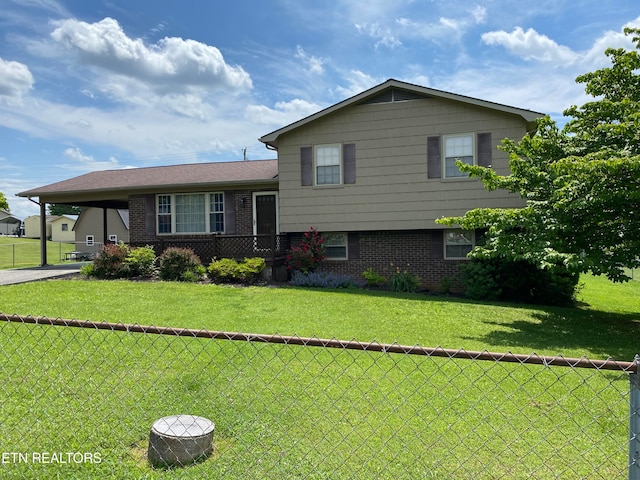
[273, 248]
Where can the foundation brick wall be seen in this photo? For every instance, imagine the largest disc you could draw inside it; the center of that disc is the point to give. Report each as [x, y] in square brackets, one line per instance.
[419, 252]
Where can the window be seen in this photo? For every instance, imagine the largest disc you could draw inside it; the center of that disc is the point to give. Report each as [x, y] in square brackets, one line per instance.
[113, 238]
[457, 243]
[89, 241]
[328, 165]
[164, 213]
[65, 227]
[191, 213]
[216, 212]
[335, 245]
[457, 147]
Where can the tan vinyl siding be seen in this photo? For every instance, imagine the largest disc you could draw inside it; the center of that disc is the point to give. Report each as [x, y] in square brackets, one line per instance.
[391, 190]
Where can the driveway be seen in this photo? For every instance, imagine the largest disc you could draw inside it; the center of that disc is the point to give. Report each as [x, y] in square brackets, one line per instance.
[32, 274]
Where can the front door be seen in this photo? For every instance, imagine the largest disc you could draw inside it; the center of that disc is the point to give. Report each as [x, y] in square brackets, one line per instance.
[265, 217]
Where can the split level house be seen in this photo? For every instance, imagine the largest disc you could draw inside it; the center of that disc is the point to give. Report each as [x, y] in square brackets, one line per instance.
[372, 173]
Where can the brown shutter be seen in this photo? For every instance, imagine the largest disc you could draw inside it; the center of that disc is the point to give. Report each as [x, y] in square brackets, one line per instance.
[150, 216]
[306, 166]
[484, 149]
[437, 244]
[353, 245]
[349, 162]
[434, 162]
[229, 213]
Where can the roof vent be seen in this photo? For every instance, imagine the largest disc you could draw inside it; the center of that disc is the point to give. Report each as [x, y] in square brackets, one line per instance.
[392, 95]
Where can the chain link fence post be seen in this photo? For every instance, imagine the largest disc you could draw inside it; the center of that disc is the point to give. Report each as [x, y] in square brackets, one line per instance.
[634, 423]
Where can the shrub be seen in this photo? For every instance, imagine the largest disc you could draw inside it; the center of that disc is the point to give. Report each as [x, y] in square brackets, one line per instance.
[404, 282]
[373, 278]
[229, 270]
[180, 264]
[494, 279]
[323, 280]
[141, 261]
[307, 256]
[87, 270]
[110, 262]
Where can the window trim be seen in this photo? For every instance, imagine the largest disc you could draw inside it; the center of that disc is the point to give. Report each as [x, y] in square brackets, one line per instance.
[171, 212]
[89, 240]
[474, 153]
[445, 244]
[340, 165]
[327, 235]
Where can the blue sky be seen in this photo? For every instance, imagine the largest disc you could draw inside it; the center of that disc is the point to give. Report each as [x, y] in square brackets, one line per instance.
[104, 84]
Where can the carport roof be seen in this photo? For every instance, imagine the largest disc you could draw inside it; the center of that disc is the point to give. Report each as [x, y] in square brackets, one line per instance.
[111, 188]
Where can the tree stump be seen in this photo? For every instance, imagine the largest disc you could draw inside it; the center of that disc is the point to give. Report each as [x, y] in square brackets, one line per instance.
[180, 440]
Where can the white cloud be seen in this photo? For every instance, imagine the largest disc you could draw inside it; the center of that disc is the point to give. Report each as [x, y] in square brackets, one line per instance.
[382, 34]
[15, 80]
[283, 114]
[531, 45]
[87, 162]
[170, 64]
[357, 82]
[315, 65]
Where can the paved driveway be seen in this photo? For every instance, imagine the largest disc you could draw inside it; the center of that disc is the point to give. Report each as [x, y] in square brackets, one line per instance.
[32, 274]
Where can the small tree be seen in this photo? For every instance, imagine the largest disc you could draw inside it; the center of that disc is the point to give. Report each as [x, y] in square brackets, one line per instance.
[581, 184]
[62, 209]
[4, 204]
[309, 254]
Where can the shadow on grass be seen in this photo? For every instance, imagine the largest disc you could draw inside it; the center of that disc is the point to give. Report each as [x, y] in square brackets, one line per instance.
[604, 333]
[555, 329]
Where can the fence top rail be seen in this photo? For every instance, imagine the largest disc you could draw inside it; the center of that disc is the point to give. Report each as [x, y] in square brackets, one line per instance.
[535, 359]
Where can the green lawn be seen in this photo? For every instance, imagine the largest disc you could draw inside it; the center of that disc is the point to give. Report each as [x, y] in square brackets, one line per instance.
[294, 412]
[25, 252]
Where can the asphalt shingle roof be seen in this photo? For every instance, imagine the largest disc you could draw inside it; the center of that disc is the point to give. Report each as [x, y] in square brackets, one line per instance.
[173, 175]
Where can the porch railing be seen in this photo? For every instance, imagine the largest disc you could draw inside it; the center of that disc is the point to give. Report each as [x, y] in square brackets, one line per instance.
[272, 248]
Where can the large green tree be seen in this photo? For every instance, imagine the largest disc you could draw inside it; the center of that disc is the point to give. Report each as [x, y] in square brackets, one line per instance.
[581, 183]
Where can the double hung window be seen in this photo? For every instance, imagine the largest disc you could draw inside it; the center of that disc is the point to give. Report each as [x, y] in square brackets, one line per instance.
[457, 147]
[328, 164]
[335, 245]
[457, 243]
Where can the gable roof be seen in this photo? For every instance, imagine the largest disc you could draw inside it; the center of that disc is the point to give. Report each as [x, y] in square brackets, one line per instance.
[111, 188]
[407, 91]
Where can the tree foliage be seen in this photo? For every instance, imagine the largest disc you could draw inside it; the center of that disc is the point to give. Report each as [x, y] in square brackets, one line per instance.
[63, 209]
[581, 183]
[4, 204]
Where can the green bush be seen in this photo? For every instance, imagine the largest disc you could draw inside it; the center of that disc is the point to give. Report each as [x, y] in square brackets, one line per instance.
[110, 262]
[141, 261]
[229, 270]
[404, 282]
[522, 282]
[373, 278]
[180, 264]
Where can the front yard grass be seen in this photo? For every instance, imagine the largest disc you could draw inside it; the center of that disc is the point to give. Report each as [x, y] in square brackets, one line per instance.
[295, 412]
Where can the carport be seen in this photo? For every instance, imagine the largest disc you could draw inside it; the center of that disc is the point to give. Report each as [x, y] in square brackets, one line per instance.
[90, 190]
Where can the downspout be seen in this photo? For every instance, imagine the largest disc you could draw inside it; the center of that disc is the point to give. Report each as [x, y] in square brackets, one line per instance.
[43, 231]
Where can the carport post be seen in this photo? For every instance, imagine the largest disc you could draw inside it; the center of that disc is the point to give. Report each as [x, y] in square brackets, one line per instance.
[43, 234]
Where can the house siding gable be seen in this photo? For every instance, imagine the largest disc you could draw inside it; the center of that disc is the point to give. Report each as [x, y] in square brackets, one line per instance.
[393, 189]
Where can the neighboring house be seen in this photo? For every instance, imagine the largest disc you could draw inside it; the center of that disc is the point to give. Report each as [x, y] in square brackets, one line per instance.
[32, 226]
[89, 229]
[372, 173]
[9, 224]
[62, 228]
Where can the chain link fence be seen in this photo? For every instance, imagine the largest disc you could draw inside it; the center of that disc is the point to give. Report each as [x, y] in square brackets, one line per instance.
[79, 399]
